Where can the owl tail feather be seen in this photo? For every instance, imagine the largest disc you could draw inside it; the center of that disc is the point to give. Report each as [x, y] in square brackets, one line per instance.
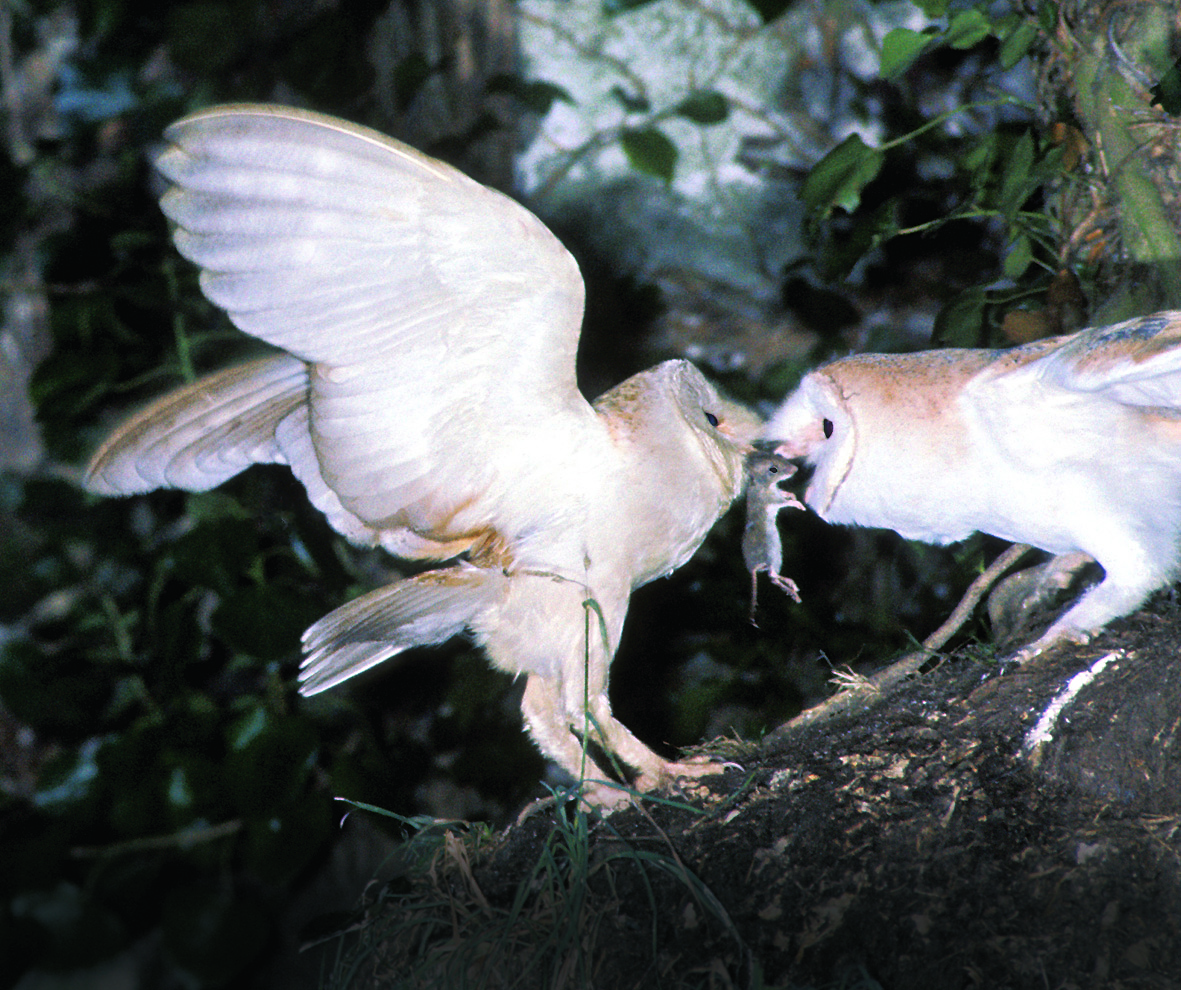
[419, 611]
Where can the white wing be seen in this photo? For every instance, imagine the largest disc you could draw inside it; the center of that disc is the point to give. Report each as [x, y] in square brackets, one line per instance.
[1137, 362]
[440, 317]
[204, 433]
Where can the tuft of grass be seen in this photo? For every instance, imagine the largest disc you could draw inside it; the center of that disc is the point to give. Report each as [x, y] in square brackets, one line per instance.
[583, 913]
[595, 908]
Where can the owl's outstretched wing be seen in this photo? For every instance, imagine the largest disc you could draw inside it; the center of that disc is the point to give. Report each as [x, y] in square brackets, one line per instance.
[438, 318]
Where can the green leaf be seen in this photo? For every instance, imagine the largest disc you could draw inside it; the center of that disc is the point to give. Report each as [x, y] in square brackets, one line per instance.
[1019, 257]
[961, 322]
[212, 507]
[932, 8]
[840, 255]
[1047, 16]
[978, 160]
[68, 777]
[536, 95]
[539, 95]
[318, 58]
[264, 621]
[967, 28]
[215, 554]
[204, 38]
[70, 382]
[900, 48]
[409, 76]
[769, 10]
[650, 151]
[1167, 92]
[613, 7]
[58, 694]
[839, 177]
[1017, 44]
[248, 727]
[704, 106]
[1015, 183]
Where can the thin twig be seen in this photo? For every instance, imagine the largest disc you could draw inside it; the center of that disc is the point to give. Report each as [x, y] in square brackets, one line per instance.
[184, 839]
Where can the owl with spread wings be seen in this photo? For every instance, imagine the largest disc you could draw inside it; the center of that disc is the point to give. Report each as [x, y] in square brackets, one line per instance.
[423, 391]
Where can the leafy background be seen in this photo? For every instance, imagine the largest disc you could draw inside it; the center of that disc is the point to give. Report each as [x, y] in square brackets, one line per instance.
[757, 185]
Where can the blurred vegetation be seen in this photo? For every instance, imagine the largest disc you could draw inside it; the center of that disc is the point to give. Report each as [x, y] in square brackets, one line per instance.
[166, 800]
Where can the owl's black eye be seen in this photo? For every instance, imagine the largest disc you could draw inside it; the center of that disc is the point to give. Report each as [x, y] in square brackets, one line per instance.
[827, 427]
[710, 418]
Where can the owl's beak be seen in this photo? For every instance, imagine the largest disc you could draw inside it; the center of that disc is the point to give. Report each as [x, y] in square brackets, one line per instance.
[742, 431]
[793, 450]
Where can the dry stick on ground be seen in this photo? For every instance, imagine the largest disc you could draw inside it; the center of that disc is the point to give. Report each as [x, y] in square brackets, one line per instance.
[909, 664]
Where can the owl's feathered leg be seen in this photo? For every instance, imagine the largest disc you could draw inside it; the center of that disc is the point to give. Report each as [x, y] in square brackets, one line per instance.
[653, 771]
[1016, 603]
[1131, 575]
[563, 719]
[545, 717]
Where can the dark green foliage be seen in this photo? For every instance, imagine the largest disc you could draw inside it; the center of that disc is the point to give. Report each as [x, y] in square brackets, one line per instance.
[536, 96]
[836, 181]
[169, 784]
[213, 930]
[650, 151]
[768, 10]
[1168, 91]
[995, 169]
[704, 106]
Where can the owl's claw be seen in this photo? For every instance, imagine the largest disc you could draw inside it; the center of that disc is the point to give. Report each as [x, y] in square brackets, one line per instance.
[1046, 642]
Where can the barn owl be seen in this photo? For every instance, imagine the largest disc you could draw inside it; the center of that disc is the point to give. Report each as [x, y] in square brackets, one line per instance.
[1071, 444]
[762, 549]
[423, 392]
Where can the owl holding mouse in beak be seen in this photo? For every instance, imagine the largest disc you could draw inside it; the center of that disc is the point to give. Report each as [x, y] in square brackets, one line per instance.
[1070, 444]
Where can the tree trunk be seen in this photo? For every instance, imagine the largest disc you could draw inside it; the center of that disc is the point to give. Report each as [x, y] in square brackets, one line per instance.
[1121, 211]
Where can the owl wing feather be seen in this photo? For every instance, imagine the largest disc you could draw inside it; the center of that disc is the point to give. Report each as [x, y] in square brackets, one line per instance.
[419, 611]
[204, 433]
[438, 319]
[1136, 362]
